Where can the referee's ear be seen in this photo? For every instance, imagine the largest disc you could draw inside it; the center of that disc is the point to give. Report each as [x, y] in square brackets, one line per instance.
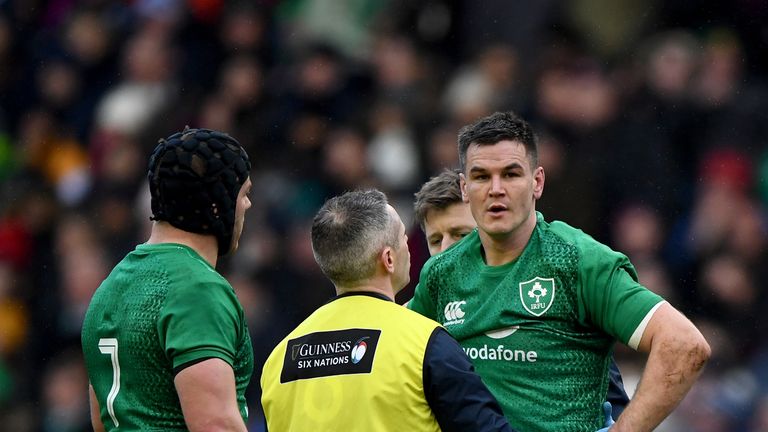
[387, 259]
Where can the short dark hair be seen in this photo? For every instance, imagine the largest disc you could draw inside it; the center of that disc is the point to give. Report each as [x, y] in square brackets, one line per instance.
[349, 231]
[439, 193]
[497, 127]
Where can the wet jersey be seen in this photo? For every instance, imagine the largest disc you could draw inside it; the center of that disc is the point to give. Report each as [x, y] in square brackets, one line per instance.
[162, 308]
[540, 330]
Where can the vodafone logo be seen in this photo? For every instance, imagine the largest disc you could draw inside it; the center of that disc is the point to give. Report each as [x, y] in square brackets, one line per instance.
[453, 312]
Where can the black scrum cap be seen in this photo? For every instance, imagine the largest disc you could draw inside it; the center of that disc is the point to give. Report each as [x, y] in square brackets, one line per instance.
[194, 178]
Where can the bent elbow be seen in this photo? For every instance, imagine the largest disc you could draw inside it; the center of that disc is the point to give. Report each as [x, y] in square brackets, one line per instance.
[706, 350]
[700, 352]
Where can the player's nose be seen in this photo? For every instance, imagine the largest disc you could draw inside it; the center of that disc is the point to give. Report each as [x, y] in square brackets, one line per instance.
[496, 186]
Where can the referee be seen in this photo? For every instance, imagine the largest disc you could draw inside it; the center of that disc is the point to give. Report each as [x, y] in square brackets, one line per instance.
[362, 362]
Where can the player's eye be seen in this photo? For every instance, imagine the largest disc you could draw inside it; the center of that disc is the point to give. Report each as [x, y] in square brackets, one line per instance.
[458, 235]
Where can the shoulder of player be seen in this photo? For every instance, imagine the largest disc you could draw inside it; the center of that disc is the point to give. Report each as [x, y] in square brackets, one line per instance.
[202, 283]
[191, 266]
[567, 234]
[583, 243]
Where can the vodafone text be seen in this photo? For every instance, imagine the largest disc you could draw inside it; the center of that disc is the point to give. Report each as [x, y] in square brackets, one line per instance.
[500, 353]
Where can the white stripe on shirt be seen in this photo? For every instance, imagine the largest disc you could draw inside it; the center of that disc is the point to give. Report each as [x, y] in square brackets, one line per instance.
[634, 341]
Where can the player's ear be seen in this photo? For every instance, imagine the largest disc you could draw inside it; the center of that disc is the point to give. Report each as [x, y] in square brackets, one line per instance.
[538, 182]
[463, 187]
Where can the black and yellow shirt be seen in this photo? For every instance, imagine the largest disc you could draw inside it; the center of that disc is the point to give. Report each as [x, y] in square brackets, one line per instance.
[362, 362]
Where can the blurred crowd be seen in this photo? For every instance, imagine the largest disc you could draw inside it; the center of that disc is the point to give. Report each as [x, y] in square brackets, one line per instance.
[652, 117]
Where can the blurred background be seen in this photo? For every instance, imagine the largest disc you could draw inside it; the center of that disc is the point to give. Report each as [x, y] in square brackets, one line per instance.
[652, 117]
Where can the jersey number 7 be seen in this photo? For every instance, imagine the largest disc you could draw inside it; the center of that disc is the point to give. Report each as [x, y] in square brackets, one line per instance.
[109, 346]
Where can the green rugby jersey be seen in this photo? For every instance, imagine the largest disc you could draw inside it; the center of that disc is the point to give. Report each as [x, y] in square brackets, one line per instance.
[161, 307]
[539, 330]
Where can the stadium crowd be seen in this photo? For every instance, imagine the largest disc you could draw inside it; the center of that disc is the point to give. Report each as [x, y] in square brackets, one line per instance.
[653, 136]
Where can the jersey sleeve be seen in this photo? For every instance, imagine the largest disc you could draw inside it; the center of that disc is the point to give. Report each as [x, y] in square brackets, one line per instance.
[200, 321]
[454, 391]
[423, 301]
[611, 296]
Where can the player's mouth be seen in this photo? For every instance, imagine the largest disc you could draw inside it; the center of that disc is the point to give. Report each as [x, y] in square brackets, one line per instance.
[496, 209]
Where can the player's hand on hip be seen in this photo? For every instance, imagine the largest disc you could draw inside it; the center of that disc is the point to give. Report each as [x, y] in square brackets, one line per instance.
[607, 409]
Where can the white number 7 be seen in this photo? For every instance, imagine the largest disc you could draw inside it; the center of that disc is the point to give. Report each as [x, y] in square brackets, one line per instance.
[109, 346]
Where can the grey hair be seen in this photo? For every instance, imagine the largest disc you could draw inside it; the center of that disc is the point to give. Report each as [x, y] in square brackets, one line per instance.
[348, 233]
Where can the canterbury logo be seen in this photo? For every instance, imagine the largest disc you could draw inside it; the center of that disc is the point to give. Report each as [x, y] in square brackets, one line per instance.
[453, 312]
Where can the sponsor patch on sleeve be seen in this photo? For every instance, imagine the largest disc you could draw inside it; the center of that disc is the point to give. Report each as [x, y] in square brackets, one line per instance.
[339, 352]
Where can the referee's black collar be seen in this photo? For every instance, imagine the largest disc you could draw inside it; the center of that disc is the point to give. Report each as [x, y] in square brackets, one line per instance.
[363, 293]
